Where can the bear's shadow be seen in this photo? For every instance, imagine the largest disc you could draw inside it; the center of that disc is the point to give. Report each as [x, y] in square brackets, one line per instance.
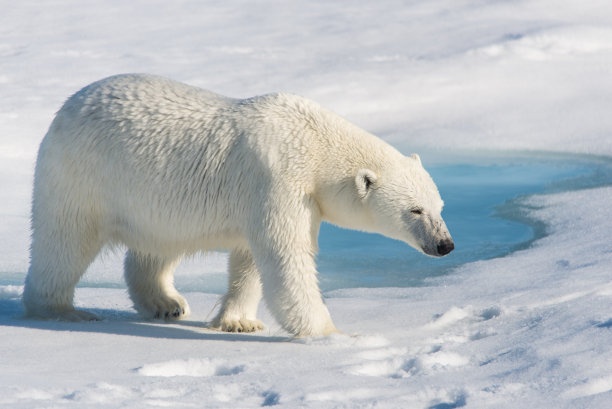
[127, 324]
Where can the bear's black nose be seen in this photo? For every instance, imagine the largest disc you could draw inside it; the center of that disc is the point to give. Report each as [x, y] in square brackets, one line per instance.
[445, 246]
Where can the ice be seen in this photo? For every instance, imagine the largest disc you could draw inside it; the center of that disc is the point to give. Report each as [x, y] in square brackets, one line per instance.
[529, 330]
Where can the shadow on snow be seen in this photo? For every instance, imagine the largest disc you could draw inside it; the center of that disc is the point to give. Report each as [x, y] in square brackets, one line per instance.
[126, 323]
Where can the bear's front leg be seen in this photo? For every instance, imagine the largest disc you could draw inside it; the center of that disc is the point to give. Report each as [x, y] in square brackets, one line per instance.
[292, 294]
[239, 306]
[284, 249]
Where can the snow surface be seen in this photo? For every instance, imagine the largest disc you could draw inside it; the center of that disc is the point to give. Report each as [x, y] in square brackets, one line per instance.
[530, 330]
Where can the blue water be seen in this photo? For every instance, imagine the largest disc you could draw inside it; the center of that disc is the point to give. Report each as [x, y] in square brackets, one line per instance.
[480, 211]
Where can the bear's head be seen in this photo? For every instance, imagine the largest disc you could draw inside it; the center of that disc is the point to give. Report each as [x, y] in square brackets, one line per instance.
[401, 201]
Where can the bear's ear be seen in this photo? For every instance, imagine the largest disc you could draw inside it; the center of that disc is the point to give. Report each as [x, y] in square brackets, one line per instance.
[416, 157]
[364, 181]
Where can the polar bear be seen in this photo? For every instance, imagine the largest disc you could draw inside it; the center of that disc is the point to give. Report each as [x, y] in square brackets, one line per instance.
[166, 170]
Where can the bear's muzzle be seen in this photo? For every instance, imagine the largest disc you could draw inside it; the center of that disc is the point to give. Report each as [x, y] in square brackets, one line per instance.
[445, 246]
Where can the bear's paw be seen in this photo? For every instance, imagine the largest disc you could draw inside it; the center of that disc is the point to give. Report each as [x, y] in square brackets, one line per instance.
[237, 325]
[169, 308]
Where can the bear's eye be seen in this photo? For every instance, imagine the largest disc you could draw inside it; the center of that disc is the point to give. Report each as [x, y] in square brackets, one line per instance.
[418, 212]
[368, 182]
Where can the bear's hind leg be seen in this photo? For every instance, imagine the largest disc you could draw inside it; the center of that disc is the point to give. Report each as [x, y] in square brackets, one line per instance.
[239, 306]
[151, 286]
[59, 254]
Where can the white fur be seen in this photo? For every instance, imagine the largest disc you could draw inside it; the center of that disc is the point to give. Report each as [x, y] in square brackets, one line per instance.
[167, 170]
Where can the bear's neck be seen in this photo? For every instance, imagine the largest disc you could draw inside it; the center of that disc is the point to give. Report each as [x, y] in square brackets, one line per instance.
[347, 148]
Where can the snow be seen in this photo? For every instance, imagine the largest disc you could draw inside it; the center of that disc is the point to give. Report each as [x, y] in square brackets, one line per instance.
[529, 330]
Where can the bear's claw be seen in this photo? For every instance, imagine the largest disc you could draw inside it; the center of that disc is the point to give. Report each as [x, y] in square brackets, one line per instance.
[169, 308]
[171, 315]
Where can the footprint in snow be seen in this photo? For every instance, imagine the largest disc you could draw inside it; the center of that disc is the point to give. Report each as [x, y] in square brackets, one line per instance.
[436, 355]
[456, 314]
[393, 363]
